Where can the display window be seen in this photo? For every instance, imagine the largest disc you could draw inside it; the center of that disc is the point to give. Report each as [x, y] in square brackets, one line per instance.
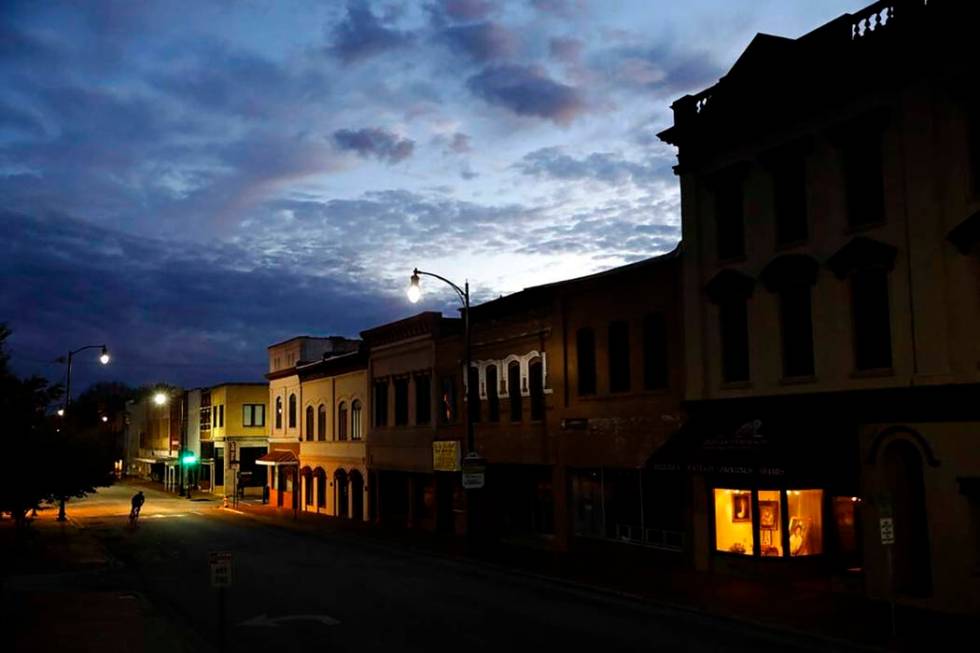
[775, 523]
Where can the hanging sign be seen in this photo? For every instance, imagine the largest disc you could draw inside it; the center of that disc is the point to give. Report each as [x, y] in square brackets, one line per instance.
[887, 528]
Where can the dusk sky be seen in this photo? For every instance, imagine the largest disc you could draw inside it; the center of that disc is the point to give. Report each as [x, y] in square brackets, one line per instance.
[190, 182]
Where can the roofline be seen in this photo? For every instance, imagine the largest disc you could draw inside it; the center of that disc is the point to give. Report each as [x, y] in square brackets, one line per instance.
[231, 383]
[283, 342]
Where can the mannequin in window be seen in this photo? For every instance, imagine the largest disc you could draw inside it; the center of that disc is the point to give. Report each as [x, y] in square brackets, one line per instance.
[797, 541]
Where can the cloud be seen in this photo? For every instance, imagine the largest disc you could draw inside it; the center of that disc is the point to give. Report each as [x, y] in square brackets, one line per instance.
[567, 50]
[562, 8]
[375, 142]
[460, 143]
[610, 169]
[481, 42]
[528, 91]
[665, 70]
[361, 35]
[466, 10]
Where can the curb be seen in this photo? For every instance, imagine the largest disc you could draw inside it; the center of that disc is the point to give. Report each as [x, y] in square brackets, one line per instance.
[813, 641]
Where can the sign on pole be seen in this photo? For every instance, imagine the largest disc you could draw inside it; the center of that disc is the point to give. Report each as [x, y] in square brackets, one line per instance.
[887, 527]
[233, 452]
[445, 456]
[220, 568]
[474, 471]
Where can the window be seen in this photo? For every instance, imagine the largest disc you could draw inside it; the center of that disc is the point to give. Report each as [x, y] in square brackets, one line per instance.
[278, 413]
[447, 402]
[733, 521]
[219, 466]
[221, 415]
[789, 200]
[733, 321]
[381, 403]
[619, 356]
[729, 218]
[309, 423]
[401, 402]
[342, 421]
[655, 371]
[797, 330]
[493, 396]
[473, 395]
[321, 422]
[863, 186]
[585, 352]
[214, 417]
[292, 411]
[536, 382]
[423, 400]
[253, 415]
[770, 524]
[805, 522]
[355, 420]
[872, 321]
[514, 388]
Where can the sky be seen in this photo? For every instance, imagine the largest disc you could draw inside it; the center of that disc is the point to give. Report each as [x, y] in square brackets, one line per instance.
[189, 182]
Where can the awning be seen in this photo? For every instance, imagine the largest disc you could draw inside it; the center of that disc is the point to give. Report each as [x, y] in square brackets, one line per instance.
[277, 458]
[793, 441]
[156, 460]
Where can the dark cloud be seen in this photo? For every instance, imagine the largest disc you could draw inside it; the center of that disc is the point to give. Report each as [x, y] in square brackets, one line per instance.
[460, 143]
[361, 35]
[482, 42]
[566, 50]
[375, 142]
[611, 169]
[667, 70]
[466, 10]
[563, 8]
[528, 91]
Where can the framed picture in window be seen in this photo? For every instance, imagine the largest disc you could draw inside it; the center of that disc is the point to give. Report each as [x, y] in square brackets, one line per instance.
[769, 515]
[741, 507]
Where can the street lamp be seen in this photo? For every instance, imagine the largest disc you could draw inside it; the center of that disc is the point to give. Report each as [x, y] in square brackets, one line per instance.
[414, 294]
[103, 358]
[160, 398]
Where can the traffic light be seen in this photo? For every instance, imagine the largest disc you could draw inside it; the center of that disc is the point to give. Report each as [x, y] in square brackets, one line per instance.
[189, 458]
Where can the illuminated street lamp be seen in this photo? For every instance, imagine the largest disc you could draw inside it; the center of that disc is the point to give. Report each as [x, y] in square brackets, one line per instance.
[103, 358]
[414, 294]
[160, 398]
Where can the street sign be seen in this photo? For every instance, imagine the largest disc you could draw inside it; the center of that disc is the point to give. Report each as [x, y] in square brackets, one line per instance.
[887, 527]
[474, 471]
[473, 481]
[445, 456]
[220, 568]
[233, 451]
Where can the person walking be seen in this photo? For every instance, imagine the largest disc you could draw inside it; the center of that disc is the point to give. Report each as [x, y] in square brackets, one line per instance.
[137, 503]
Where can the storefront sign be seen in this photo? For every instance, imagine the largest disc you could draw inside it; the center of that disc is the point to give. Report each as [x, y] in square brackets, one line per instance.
[575, 423]
[887, 527]
[233, 451]
[445, 456]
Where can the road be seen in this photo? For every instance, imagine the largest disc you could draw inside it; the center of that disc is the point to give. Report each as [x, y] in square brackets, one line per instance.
[297, 592]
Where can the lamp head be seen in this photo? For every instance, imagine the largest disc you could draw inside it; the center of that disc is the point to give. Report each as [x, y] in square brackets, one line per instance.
[104, 357]
[160, 398]
[414, 289]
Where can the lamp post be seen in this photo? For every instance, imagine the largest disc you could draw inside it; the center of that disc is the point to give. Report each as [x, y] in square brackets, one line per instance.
[414, 294]
[103, 358]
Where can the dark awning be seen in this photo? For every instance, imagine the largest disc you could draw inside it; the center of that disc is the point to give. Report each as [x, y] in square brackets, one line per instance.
[277, 458]
[791, 441]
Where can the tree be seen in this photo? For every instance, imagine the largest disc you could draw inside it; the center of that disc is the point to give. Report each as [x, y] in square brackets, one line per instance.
[28, 433]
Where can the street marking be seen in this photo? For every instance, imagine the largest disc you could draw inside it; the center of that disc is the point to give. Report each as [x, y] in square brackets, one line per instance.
[237, 512]
[266, 620]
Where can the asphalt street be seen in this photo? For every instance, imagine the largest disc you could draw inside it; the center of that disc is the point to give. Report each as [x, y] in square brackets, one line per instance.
[297, 592]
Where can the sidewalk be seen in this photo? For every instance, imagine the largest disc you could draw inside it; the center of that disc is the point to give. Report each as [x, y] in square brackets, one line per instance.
[54, 587]
[811, 611]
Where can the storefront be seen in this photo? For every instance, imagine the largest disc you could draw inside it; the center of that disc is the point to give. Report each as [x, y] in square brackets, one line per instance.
[772, 491]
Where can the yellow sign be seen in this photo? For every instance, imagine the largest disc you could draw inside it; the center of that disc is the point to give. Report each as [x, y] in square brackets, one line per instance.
[445, 456]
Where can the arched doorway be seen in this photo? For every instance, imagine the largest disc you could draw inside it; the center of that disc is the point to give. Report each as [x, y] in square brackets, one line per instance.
[321, 488]
[357, 495]
[307, 487]
[341, 493]
[902, 467]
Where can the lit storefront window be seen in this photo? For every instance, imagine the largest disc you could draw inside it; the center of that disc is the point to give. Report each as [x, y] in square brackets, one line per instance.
[733, 521]
[789, 523]
[805, 522]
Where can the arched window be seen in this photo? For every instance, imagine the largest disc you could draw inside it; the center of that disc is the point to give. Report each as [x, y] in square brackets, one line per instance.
[321, 422]
[292, 411]
[342, 421]
[278, 413]
[536, 383]
[355, 420]
[514, 389]
[493, 400]
[309, 422]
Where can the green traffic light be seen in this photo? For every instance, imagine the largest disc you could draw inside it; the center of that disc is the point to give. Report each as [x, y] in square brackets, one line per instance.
[189, 459]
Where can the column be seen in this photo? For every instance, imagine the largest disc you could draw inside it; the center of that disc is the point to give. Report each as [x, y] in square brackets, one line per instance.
[365, 506]
[350, 497]
[316, 492]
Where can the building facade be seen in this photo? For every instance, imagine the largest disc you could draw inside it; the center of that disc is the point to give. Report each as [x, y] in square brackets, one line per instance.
[831, 282]
[414, 371]
[240, 436]
[332, 452]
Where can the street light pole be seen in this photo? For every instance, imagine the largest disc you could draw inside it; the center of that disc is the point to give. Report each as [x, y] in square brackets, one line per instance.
[414, 293]
[103, 358]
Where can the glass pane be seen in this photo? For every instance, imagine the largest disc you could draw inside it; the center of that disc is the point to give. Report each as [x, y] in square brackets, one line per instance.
[805, 522]
[770, 524]
[733, 521]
